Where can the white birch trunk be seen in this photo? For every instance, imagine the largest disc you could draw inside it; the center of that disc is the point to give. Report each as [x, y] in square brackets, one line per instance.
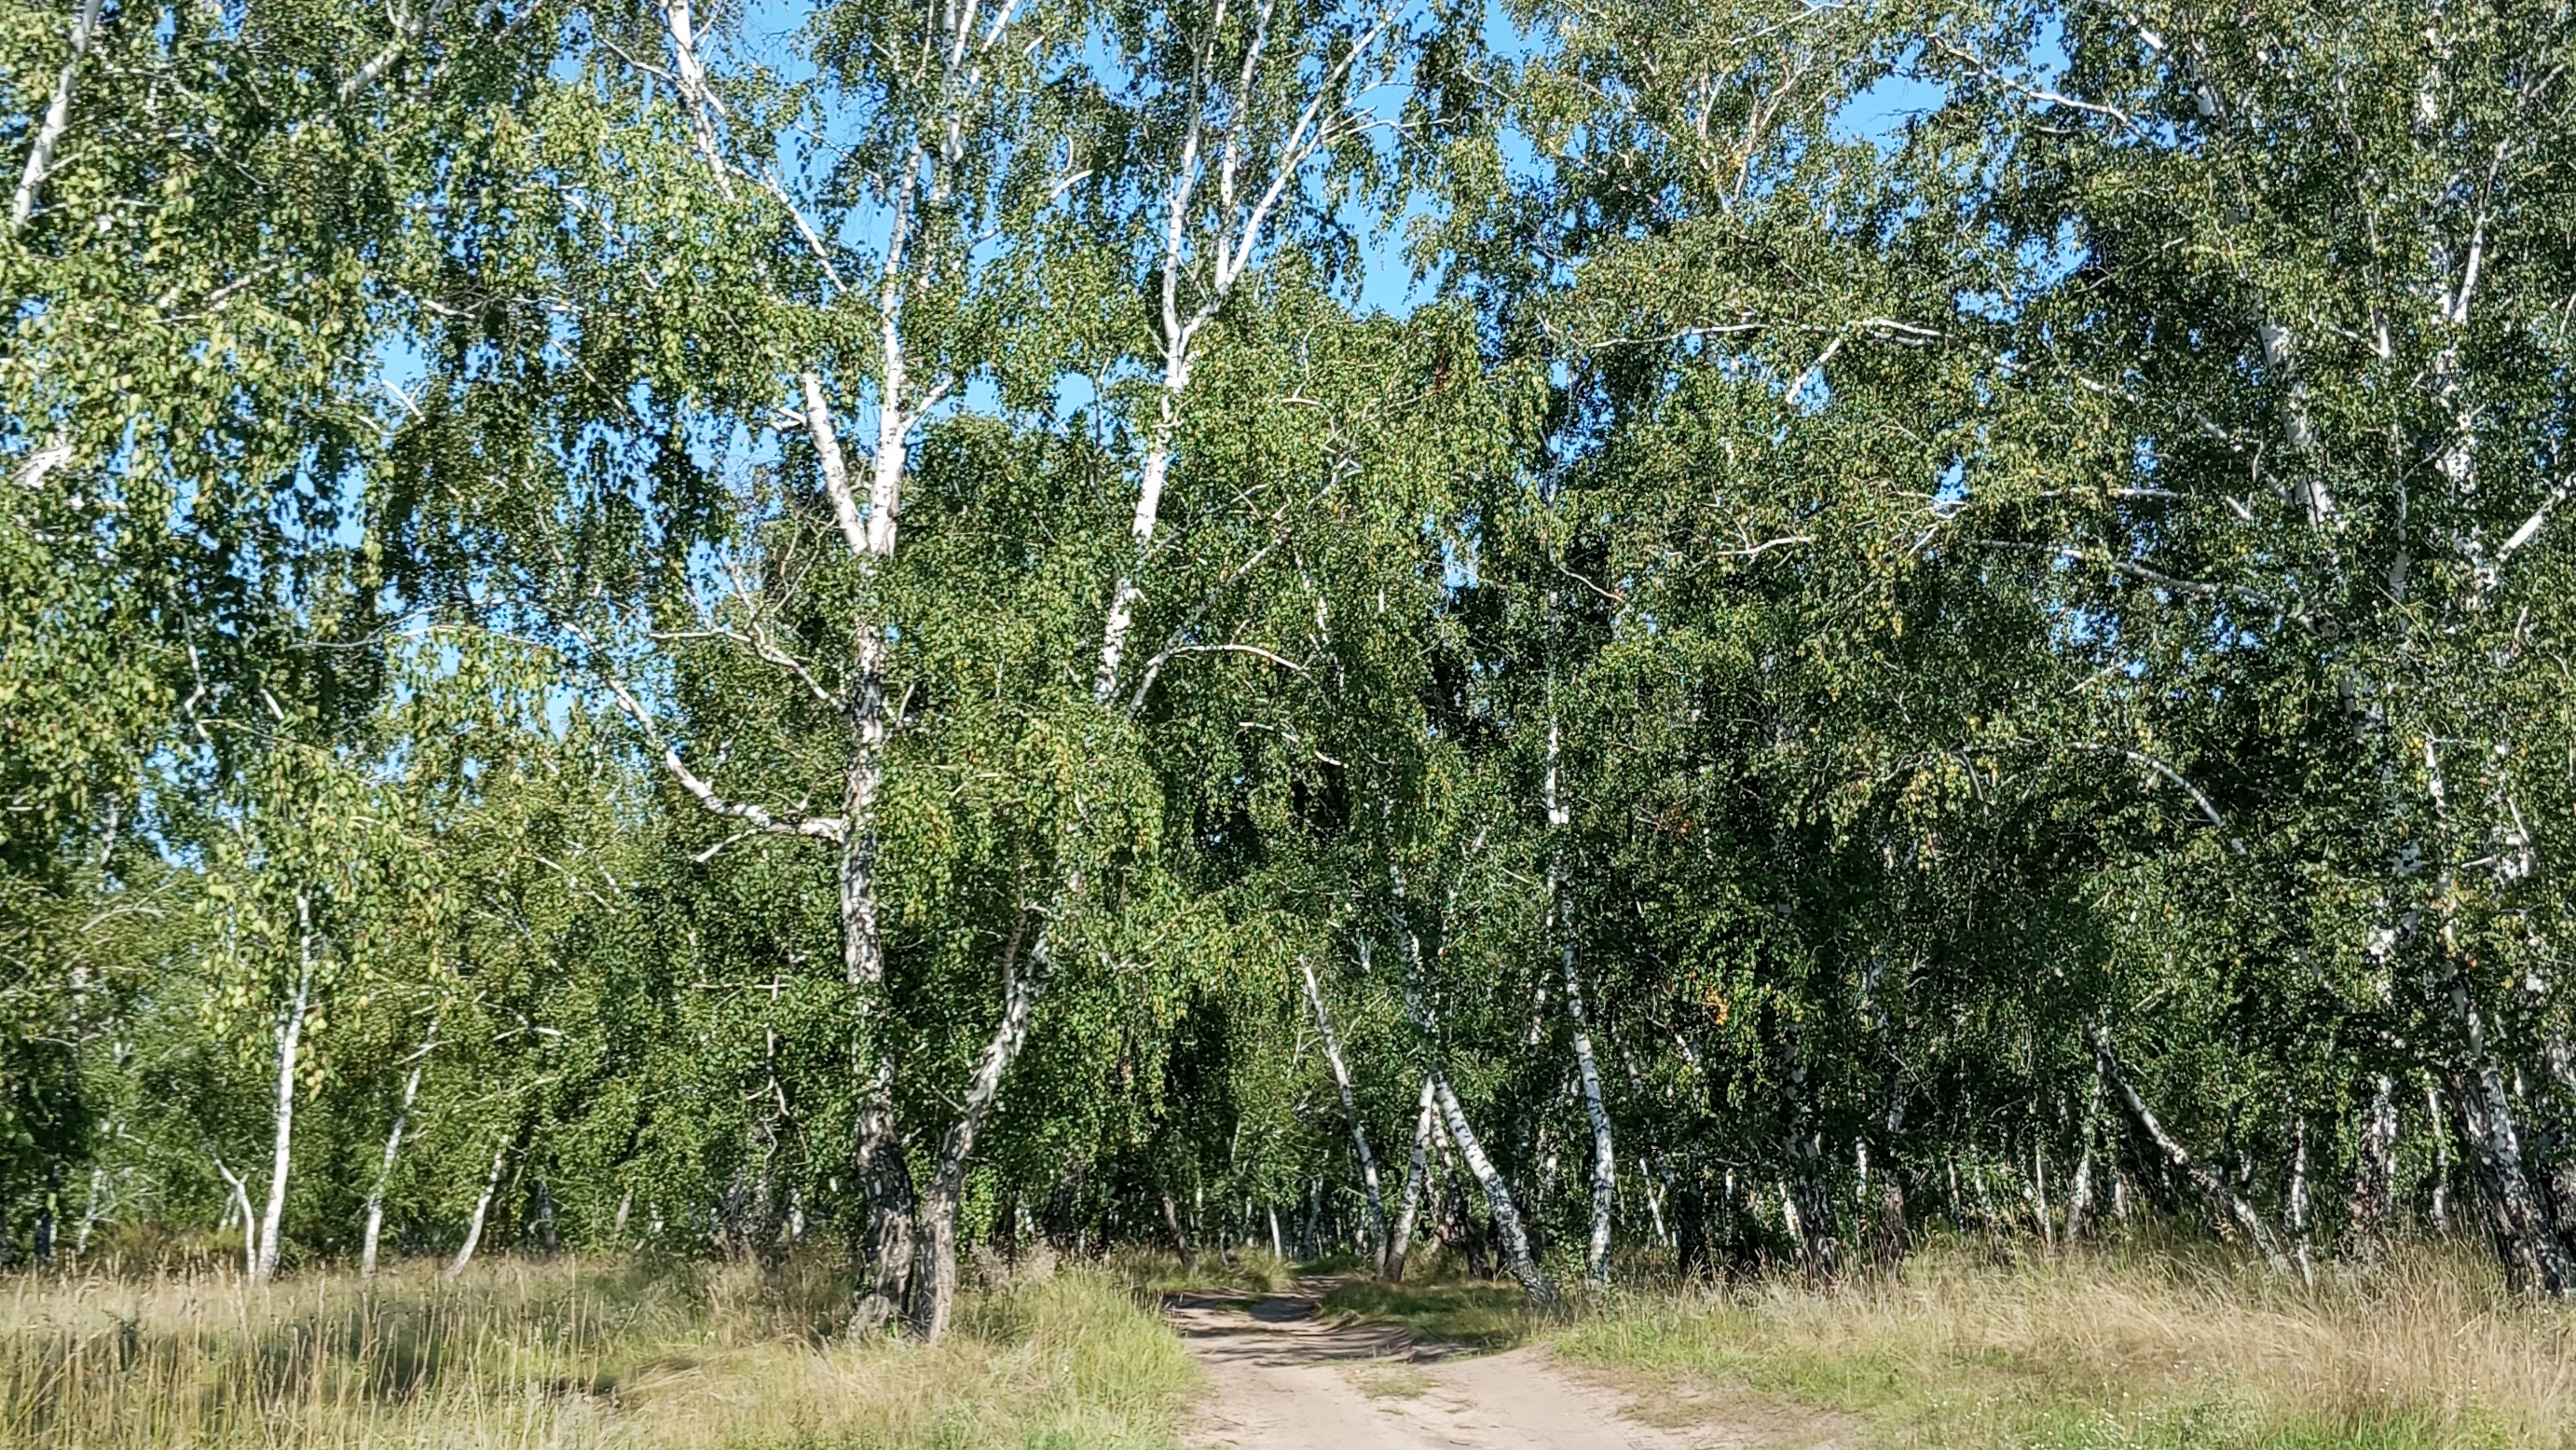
[1350, 1110]
[2211, 1186]
[1149, 504]
[240, 1203]
[1399, 1240]
[2299, 1201]
[935, 1283]
[385, 1171]
[1498, 1197]
[2079, 1195]
[1605, 1156]
[49, 132]
[482, 1207]
[290, 1040]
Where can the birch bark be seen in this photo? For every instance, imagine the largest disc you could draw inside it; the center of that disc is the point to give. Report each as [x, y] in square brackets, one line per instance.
[1350, 1110]
[2210, 1185]
[935, 1289]
[385, 1171]
[482, 1208]
[58, 112]
[1400, 1238]
[290, 1038]
[1498, 1198]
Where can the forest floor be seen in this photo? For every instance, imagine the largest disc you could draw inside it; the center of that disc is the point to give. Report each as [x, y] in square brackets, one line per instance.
[1289, 1372]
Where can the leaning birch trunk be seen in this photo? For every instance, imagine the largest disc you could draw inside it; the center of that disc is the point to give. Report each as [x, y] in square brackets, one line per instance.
[1399, 1239]
[385, 1171]
[2209, 1184]
[1498, 1197]
[1350, 1109]
[935, 1280]
[482, 1207]
[2518, 1221]
[290, 1040]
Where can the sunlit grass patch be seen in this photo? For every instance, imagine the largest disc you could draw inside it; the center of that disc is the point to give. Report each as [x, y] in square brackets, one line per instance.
[1474, 1314]
[1389, 1380]
[574, 1355]
[2112, 1350]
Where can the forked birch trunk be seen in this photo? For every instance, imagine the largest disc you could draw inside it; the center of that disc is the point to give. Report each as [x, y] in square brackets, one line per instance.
[934, 1290]
[1350, 1109]
[482, 1208]
[1399, 1241]
[385, 1170]
[1498, 1198]
[240, 1203]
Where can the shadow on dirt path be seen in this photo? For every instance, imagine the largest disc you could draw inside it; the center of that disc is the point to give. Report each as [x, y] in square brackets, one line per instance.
[1288, 1378]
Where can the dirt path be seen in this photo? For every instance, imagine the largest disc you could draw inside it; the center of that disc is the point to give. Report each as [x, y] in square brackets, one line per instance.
[1289, 1380]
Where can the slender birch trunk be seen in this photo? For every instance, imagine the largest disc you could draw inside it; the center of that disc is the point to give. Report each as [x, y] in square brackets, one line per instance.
[240, 1203]
[1350, 1109]
[290, 1039]
[1498, 1197]
[385, 1171]
[49, 131]
[2374, 1169]
[482, 1208]
[1399, 1241]
[2079, 1195]
[935, 1286]
[2302, 1254]
[1605, 1156]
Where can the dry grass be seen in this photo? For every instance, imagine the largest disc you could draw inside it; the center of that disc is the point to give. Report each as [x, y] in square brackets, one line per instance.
[572, 1355]
[2131, 1349]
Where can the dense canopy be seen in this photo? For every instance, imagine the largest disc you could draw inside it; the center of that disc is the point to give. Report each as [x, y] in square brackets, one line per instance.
[1694, 633]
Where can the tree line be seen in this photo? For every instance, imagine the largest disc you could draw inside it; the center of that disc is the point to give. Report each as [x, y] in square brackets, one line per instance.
[1704, 635]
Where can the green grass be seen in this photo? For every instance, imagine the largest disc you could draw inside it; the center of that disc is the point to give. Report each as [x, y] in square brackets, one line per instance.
[1153, 1272]
[1476, 1315]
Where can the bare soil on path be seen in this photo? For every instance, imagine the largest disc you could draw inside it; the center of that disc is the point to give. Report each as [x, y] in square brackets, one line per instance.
[1289, 1379]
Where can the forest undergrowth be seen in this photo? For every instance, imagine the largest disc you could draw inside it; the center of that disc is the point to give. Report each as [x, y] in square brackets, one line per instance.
[571, 1354]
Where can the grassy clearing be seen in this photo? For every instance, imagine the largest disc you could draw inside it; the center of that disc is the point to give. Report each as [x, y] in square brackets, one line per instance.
[573, 1355]
[1151, 1272]
[1477, 1315]
[2114, 1351]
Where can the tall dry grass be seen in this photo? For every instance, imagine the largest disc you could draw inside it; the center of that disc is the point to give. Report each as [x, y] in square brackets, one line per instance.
[571, 1355]
[2134, 1347]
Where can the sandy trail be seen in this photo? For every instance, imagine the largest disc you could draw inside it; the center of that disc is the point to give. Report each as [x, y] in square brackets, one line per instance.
[1289, 1380]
